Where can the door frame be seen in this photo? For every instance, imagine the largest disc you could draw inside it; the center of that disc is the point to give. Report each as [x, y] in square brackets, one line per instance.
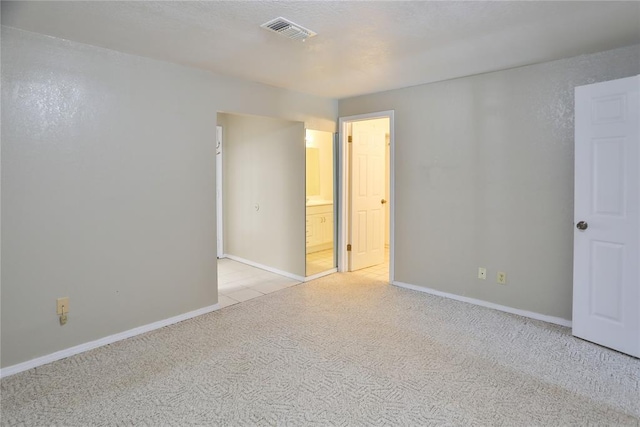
[219, 194]
[344, 184]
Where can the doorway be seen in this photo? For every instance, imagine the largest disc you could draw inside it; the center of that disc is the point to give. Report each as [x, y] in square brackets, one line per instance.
[320, 204]
[365, 229]
[263, 192]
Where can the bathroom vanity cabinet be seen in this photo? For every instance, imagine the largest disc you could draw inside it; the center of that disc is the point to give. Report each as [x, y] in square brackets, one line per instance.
[319, 228]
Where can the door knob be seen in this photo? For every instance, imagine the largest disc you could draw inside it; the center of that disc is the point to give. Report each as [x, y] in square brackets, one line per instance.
[582, 225]
[383, 201]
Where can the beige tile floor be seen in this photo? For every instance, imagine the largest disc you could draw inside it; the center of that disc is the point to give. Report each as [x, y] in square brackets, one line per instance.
[238, 282]
[320, 261]
[378, 272]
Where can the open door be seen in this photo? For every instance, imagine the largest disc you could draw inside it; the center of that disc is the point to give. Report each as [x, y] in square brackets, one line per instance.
[368, 187]
[606, 288]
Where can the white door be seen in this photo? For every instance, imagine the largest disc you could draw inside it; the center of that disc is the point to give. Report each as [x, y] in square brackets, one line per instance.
[606, 273]
[219, 233]
[367, 193]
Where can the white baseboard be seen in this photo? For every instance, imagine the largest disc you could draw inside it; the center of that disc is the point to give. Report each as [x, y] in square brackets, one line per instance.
[43, 360]
[524, 313]
[266, 268]
[319, 275]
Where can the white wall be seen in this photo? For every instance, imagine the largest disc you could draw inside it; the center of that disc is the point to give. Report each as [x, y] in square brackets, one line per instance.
[108, 187]
[484, 177]
[264, 166]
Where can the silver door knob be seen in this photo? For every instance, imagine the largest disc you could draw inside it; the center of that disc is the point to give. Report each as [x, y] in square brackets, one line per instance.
[383, 201]
[582, 225]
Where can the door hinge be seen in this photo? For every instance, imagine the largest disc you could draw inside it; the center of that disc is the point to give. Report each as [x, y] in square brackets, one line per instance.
[349, 138]
[349, 247]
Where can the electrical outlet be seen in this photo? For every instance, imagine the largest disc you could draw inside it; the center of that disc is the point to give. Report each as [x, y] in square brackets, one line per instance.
[502, 278]
[482, 273]
[60, 303]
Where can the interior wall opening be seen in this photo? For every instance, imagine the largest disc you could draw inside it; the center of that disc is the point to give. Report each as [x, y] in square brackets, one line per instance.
[262, 185]
[366, 166]
[320, 229]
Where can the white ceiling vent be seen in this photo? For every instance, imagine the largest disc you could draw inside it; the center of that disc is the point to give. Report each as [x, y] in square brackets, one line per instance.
[288, 29]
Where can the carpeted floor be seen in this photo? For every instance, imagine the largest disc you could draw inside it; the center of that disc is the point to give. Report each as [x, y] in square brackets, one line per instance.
[341, 350]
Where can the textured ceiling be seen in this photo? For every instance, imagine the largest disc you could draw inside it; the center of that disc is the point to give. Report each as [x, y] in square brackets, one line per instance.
[362, 46]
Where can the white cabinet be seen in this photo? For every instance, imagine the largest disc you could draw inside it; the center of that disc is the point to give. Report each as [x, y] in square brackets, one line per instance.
[319, 228]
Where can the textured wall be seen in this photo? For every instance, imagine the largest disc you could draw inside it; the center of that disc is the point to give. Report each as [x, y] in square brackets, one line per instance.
[263, 165]
[108, 187]
[484, 177]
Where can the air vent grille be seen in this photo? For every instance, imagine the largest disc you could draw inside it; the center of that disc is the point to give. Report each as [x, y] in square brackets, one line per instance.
[288, 29]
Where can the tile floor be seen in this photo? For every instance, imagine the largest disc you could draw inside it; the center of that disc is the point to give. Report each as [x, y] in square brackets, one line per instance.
[320, 261]
[378, 272]
[239, 282]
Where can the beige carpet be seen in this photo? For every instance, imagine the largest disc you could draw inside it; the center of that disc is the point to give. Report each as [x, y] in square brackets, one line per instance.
[337, 351]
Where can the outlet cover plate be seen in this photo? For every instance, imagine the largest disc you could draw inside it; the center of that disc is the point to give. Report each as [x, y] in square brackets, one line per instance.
[501, 278]
[60, 302]
[482, 273]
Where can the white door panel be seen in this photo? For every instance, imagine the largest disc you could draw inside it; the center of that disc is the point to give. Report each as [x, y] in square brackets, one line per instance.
[367, 194]
[606, 294]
